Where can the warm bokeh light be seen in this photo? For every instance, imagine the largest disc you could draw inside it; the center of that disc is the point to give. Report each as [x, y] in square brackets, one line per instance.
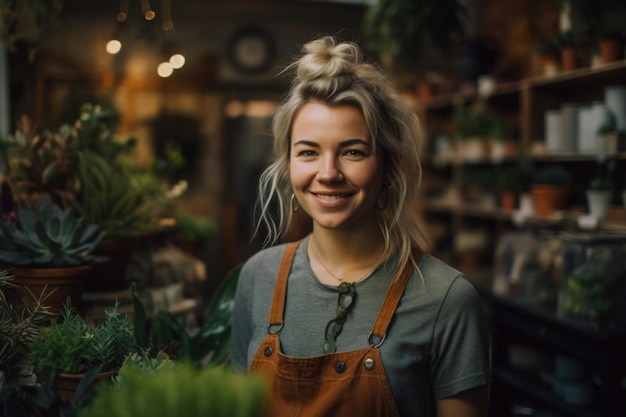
[113, 46]
[177, 61]
[165, 69]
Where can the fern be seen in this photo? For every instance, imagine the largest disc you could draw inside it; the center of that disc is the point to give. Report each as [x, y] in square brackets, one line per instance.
[111, 198]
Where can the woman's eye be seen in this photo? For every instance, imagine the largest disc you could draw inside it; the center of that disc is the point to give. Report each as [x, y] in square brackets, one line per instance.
[354, 153]
[307, 153]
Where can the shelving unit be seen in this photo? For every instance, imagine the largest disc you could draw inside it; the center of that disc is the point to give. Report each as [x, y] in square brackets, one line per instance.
[522, 106]
[601, 352]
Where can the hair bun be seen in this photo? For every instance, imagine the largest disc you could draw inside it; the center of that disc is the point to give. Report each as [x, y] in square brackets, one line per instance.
[325, 57]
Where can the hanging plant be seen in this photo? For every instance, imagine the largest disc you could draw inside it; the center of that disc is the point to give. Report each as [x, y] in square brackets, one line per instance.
[23, 22]
[402, 32]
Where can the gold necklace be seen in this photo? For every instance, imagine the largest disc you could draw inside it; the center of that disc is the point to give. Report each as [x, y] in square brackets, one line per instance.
[367, 274]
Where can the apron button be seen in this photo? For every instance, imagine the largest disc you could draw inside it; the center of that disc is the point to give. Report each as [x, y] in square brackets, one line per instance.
[268, 351]
[369, 364]
[340, 367]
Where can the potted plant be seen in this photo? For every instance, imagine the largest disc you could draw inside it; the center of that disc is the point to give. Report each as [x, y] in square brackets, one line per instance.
[510, 185]
[113, 198]
[567, 43]
[602, 21]
[48, 249]
[549, 52]
[476, 128]
[72, 350]
[41, 163]
[598, 195]
[404, 34]
[550, 187]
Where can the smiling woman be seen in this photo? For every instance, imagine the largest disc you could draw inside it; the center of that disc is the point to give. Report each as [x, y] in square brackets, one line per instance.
[335, 175]
[346, 155]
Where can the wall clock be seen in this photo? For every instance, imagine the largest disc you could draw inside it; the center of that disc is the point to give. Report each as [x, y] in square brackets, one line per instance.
[251, 50]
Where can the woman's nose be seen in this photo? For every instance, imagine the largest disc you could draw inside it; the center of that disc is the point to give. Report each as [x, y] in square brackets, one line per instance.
[330, 170]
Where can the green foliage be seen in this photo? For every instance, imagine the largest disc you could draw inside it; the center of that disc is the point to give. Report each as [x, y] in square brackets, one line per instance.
[94, 133]
[195, 227]
[25, 21]
[599, 184]
[181, 390]
[19, 324]
[549, 46]
[47, 235]
[552, 174]
[210, 344]
[113, 198]
[73, 346]
[476, 121]
[41, 163]
[406, 31]
[599, 18]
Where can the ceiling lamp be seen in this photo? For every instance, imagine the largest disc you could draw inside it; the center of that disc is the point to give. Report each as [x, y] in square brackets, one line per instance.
[173, 57]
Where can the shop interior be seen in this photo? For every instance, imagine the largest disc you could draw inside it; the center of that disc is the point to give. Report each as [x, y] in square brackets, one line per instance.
[518, 99]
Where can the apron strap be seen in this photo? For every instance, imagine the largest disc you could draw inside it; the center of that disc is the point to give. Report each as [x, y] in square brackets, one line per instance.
[278, 303]
[392, 299]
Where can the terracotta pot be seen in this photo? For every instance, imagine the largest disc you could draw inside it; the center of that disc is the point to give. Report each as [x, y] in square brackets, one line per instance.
[111, 274]
[568, 58]
[66, 384]
[611, 50]
[549, 199]
[508, 200]
[57, 284]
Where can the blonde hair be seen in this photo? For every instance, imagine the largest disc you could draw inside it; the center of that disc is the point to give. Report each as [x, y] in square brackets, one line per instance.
[337, 73]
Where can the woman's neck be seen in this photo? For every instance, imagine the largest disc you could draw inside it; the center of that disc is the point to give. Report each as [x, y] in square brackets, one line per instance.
[344, 257]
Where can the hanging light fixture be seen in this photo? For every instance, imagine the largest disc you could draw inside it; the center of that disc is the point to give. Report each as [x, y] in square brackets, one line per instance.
[114, 45]
[176, 58]
[148, 13]
[173, 57]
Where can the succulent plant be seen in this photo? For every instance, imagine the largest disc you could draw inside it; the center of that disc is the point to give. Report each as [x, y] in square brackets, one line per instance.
[47, 235]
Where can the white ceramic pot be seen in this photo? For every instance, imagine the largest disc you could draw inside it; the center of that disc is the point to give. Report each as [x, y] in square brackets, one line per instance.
[598, 202]
[624, 197]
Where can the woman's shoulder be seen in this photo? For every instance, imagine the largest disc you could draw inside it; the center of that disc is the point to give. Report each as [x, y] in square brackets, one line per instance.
[266, 259]
[444, 278]
[432, 267]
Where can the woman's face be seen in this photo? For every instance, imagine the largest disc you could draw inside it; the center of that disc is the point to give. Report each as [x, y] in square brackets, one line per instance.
[335, 174]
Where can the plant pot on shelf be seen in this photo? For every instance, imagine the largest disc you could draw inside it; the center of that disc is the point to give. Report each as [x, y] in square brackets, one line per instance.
[611, 50]
[568, 58]
[56, 284]
[598, 202]
[549, 199]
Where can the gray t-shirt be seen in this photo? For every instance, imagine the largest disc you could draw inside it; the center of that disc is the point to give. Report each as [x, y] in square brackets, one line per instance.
[437, 344]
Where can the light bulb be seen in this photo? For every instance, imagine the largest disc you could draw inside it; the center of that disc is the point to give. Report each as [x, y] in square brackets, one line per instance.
[165, 69]
[177, 61]
[113, 46]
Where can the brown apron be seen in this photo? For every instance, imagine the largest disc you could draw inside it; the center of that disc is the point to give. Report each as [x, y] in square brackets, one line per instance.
[336, 384]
